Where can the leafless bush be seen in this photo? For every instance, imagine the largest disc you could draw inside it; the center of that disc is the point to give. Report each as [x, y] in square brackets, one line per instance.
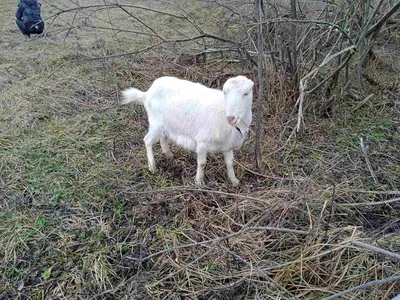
[333, 41]
[319, 29]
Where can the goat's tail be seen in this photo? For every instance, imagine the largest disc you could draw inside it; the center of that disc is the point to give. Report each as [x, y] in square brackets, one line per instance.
[133, 95]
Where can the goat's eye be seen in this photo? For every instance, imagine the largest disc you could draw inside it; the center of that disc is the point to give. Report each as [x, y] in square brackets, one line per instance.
[246, 94]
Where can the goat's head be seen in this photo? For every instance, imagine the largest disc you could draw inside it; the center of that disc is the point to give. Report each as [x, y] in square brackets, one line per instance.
[238, 92]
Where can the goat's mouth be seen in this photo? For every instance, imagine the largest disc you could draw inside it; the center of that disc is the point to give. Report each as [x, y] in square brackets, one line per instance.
[232, 120]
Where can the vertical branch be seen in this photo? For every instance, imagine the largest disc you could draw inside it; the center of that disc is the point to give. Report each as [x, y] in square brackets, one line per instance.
[260, 50]
[294, 41]
[375, 28]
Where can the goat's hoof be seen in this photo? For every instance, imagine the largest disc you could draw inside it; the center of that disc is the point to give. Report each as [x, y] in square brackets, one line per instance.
[152, 169]
[169, 155]
[235, 182]
[199, 183]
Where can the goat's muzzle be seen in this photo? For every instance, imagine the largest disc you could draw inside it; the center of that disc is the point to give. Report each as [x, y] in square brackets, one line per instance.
[231, 120]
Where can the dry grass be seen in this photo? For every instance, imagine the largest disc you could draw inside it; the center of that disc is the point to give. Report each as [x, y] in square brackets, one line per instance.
[82, 218]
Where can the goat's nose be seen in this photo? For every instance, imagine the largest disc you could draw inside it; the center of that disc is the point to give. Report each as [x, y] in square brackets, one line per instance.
[230, 119]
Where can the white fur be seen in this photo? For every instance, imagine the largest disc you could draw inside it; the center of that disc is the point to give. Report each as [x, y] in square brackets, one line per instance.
[195, 117]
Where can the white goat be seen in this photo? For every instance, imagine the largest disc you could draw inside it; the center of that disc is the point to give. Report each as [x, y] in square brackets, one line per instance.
[196, 117]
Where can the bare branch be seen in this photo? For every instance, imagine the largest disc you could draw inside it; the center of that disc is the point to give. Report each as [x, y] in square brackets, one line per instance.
[141, 22]
[294, 40]
[116, 6]
[260, 49]
[364, 286]
[377, 192]
[372, 203]
[122, 30]
[303, 82]
[375, 28]
[334, 73]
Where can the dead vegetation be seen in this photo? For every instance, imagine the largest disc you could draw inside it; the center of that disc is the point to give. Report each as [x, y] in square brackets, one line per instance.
[82, 218]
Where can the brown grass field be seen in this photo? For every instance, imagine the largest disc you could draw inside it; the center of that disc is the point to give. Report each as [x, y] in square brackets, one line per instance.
[81, 217]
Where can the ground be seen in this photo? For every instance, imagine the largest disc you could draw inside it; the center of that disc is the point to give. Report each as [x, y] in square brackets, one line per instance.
[81, 217]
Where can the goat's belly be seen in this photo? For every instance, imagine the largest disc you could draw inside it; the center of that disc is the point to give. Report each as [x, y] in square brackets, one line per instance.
[220, 147]
[183, 141]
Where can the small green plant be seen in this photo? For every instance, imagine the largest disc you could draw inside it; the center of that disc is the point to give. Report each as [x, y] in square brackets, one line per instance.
[41, 222]
[159, 232]
[46, 274]
[210, 267]
[57, 197]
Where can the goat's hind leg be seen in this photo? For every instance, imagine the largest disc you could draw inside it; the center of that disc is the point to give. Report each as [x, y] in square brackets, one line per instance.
[151, 138]
[165, 147]
[228, 156]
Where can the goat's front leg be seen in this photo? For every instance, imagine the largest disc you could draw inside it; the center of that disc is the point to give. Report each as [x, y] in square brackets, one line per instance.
[228, 156]
[201, 162]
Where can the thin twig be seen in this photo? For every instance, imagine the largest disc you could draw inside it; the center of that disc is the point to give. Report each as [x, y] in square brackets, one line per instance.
[377, 249]
[114, 6]
[363, 102]
[259, 174]
[372, 203]
[205, 35]
[331, 204]
[364, 286]
[367, 160]
[376, 192]
[187, 16]
[118, 30]
[141, 22]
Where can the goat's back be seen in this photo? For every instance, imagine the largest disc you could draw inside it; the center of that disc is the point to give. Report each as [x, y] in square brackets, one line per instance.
[180, 91]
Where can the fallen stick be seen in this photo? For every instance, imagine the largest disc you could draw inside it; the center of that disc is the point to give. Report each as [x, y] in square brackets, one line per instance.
[364, 286]
[372, 203]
